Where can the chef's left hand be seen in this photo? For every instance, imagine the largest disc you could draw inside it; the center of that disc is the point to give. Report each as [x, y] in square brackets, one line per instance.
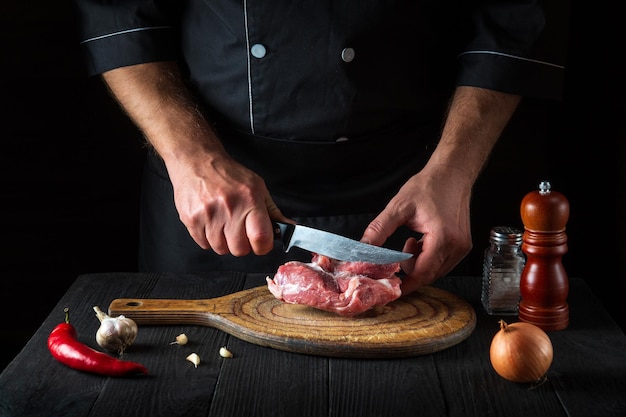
[437, 205]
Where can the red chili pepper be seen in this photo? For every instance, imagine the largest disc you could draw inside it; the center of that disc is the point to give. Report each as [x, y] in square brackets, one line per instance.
[65, 347]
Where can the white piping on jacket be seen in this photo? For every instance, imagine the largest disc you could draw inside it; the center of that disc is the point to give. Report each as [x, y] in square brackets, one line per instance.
[514, 57]
[122, 32]
[245, 17]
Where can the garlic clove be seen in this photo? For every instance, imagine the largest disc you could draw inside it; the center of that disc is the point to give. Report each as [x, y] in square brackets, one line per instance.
[225, 353]
[181, 339]
[194, 358]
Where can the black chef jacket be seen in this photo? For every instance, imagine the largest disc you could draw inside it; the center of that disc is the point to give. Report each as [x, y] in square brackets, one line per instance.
[334, 103]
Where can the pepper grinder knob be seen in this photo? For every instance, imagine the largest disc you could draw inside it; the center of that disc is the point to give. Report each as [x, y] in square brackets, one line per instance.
[544, 284]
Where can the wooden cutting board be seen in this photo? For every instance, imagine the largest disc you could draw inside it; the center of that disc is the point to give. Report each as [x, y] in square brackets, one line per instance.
[425, 321]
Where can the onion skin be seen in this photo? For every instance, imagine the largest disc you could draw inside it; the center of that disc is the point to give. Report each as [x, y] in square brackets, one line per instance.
[521, 352]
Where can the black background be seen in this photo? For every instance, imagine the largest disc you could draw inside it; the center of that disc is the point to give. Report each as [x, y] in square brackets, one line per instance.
[70, 164]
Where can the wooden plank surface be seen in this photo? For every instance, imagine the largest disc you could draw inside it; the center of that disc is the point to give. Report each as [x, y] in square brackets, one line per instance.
[469, 383]
[587, 378]
[589, 366]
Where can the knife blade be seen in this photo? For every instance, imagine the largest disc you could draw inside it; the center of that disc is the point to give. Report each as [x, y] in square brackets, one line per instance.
[334, 246]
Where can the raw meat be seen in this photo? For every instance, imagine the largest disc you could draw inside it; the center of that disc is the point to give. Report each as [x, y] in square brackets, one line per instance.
[345, 288]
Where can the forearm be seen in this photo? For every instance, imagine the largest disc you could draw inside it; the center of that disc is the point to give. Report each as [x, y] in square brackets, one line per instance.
[155, 98]
[475, 120]
[224, 206]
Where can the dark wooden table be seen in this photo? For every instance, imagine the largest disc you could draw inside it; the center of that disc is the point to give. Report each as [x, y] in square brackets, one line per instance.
[587, 377]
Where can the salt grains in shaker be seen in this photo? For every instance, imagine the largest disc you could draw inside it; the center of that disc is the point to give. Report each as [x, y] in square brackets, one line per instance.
[503, 265]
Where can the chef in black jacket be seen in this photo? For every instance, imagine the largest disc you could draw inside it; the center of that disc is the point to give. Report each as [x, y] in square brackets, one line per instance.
[371, 119]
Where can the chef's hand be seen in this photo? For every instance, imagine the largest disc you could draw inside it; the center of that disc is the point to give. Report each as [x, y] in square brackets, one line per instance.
[225, 206]
[438, 207]
[436, 201]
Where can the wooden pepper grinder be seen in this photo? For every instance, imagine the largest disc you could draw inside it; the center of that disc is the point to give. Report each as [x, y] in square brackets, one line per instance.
[544, 285]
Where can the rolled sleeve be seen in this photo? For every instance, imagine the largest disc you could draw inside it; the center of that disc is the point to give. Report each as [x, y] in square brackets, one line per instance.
[122, 33]
[518, 48]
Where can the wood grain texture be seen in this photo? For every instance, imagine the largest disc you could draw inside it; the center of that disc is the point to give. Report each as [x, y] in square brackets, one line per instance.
[426, 321]
[586, 379]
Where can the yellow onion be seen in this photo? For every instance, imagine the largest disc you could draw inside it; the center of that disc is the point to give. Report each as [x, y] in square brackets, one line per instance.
[521, 352]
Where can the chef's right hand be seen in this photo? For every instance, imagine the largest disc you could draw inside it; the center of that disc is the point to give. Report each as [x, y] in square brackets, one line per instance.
[225, 206]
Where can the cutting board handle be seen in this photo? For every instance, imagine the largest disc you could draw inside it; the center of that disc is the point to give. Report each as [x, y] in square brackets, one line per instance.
[164, 311]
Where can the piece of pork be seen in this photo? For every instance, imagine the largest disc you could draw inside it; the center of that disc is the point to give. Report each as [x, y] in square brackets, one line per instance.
[345, 288]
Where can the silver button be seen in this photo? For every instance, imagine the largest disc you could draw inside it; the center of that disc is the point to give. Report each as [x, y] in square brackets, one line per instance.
[347, 54]
[342, 139]
[258, 50]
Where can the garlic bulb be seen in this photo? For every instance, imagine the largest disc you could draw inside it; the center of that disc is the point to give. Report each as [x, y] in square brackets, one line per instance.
[115, 333]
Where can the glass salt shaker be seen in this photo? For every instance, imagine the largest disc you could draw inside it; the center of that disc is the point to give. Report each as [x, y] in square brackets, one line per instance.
[502, 268]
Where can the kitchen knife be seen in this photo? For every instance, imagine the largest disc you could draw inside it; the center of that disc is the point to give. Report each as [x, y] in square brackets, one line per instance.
[334, 246]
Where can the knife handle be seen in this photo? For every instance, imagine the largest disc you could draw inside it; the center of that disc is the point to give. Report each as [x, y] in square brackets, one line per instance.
[283, 232]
